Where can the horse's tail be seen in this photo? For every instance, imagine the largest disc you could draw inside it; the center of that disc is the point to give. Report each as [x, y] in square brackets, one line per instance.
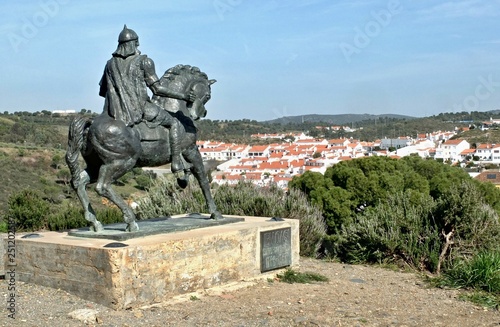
[76, 142]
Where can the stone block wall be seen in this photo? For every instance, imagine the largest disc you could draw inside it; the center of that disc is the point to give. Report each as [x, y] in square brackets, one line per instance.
[149, 269]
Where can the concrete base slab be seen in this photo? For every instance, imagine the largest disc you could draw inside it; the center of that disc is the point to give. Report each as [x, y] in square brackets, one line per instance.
[154, 226]
[151, 269]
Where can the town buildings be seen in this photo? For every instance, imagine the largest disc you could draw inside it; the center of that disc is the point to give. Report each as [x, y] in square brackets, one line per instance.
[280, 162]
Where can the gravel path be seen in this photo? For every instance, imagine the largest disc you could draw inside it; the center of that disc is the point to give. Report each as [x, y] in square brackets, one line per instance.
[355, 296]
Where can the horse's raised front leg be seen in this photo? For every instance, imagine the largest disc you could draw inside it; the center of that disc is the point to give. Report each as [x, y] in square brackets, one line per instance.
[193, 156]
[109, 173]
[89, 212]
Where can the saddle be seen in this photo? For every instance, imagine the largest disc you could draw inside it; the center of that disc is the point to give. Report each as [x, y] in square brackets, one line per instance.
[151, 133]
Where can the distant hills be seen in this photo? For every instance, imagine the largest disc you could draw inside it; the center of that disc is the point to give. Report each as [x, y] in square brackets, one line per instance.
[333, 119]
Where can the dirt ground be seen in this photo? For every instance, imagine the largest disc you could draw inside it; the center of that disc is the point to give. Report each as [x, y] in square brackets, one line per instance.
[356, 295]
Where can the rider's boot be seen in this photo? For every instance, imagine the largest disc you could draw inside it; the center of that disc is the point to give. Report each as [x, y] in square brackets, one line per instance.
[158, 116]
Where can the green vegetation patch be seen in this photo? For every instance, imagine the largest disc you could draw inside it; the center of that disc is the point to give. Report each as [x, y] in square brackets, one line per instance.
[482, 299]
[481, 272]
[412, 211]
[244, 199]
[291, 276]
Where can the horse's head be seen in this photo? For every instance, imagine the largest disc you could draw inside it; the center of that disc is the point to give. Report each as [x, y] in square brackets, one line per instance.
[184, 79]
[202, 91]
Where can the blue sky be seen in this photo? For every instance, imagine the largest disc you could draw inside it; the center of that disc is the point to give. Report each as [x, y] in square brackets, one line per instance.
[270, 58]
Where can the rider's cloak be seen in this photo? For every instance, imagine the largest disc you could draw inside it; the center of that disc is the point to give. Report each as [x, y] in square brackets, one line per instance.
[123, 85]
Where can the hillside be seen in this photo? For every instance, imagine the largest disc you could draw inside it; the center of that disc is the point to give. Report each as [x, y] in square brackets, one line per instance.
[477, 136]
[29, 142]
[34, 130]
[334, 119]
[24, 168]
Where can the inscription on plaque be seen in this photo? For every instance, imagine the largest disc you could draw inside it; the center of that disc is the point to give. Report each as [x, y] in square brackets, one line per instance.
[276, 249]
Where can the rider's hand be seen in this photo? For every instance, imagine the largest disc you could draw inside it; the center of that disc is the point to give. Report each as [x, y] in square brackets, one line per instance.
[190, 97]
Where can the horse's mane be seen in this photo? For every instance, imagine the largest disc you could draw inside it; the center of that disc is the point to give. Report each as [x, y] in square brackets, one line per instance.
[183, 76]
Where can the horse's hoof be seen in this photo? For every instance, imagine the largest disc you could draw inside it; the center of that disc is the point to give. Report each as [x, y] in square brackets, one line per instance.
[132, 227]
[182, 182]
[216, 216]
[97, 227]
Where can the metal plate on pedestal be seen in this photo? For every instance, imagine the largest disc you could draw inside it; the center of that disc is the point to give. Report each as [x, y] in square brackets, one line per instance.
[275, 249]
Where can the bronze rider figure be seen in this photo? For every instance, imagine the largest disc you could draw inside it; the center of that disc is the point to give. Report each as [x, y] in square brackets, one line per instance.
[124, 83]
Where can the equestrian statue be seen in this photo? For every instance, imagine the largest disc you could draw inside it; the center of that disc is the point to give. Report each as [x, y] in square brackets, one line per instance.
[136, 130]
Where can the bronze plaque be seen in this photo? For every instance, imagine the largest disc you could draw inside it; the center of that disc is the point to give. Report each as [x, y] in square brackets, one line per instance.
[276, 249]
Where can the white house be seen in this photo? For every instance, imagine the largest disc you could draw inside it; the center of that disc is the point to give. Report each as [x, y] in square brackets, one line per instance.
[484, 151]
[451, 150]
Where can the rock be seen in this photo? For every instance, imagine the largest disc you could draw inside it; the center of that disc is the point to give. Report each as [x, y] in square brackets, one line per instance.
[84, 315]
[300, 320]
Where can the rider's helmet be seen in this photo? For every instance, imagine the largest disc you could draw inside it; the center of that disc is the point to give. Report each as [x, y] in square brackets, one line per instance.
[127, 35]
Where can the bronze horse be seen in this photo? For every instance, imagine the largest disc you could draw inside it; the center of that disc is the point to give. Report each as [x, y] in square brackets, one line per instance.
[111, 149]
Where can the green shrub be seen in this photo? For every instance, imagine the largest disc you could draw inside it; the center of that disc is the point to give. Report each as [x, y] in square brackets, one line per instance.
[143, 182]
[71, 216]
[67, 217]
[109, 215]
[481, 272]
[29, 211]
[474, 224]
[124, 179]
[243, 199]
[4, 226]
[399, 229]
[166, 199]
[291, 276]
[421, 212]
[411, 227]
[247, 199]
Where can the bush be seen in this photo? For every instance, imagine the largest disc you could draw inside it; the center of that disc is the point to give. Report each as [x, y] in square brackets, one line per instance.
[399, 229]
[66, 218]
[165, 199]
[473, 223]
[4, 226]
[481, 272]
[421, 212]
[72, 216]
[110, 216]
[411, 227]
[244, 199]
[143, 182]
[29, 211]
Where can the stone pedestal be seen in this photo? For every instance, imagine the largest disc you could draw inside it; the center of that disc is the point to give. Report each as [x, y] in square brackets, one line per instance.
[151, 269]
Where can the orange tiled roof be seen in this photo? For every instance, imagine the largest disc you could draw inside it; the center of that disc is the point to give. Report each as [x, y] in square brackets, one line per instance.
[489, 176]
[468, 151]
[273, 165]
[258, 148]
[453, 142]
[278, 178]
[337, 141]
